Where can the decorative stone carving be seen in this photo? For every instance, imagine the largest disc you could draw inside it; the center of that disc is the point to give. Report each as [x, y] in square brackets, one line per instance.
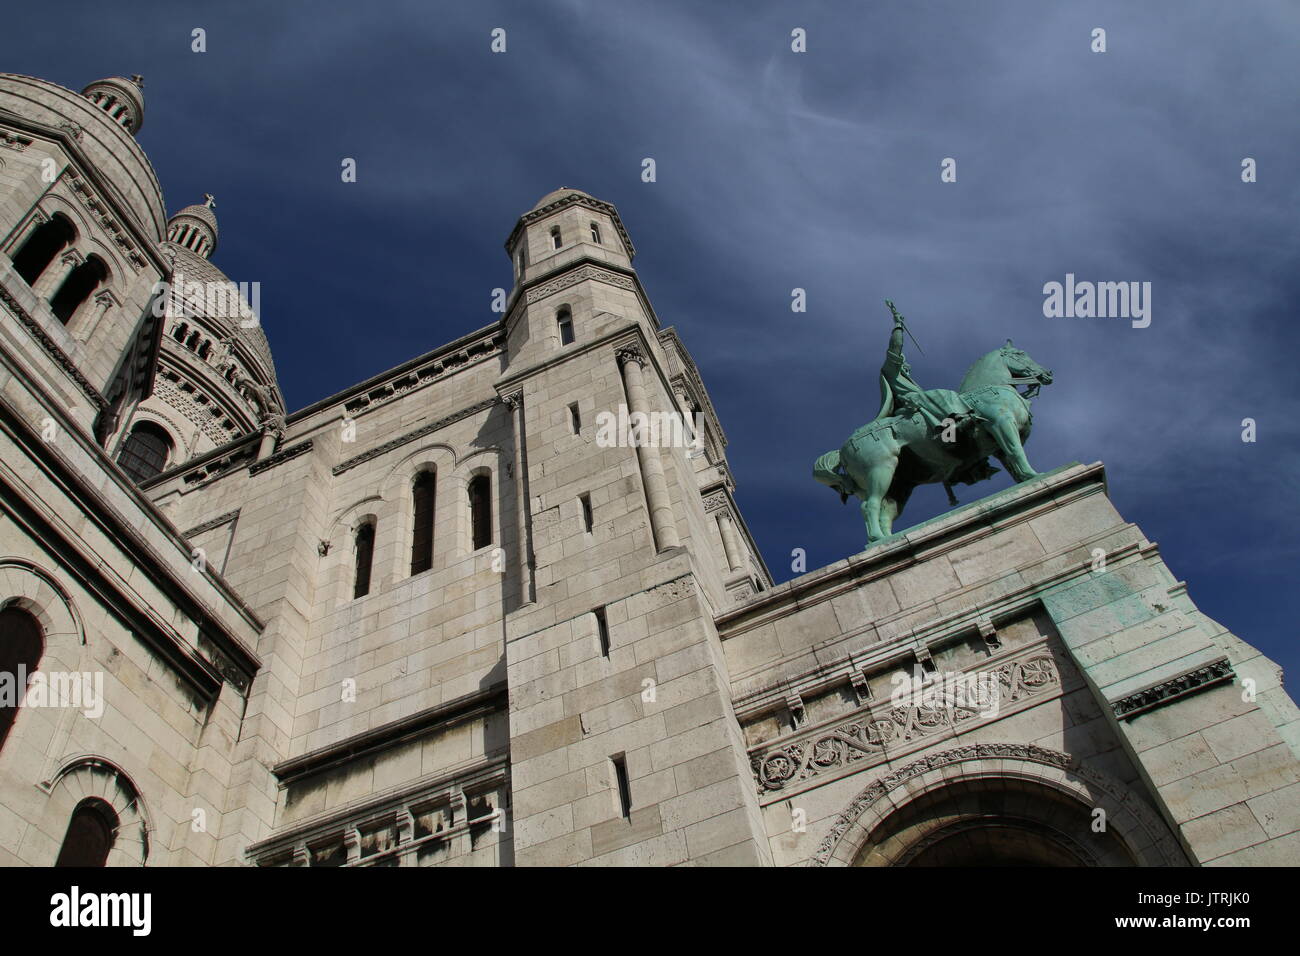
[871, 734]
[1216, 672]
[580, 274]
[630, 353]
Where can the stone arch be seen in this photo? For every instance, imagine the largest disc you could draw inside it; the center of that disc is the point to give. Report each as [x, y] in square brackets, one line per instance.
[1030, 770]
[91, 776]
[338, 568]
[484, 462]
[396, 491]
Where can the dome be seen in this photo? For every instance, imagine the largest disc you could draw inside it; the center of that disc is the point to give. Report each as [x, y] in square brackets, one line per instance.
[105, 143]
[556, 195]
[121, 98]
[228, 310]
[195, 228]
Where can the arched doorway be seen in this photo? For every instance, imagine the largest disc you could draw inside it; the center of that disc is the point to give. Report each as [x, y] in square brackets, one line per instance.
[997, 804]
[92, 832]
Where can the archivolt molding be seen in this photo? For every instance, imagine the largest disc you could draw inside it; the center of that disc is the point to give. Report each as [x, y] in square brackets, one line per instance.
[1131, 818]
[90, 775]
[27, 585]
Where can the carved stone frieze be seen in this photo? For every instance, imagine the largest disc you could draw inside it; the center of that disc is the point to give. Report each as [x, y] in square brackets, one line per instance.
[581, 274]
[869, 735]
[1166, 692]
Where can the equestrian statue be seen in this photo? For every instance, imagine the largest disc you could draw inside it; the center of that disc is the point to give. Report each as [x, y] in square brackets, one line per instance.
[922, 436]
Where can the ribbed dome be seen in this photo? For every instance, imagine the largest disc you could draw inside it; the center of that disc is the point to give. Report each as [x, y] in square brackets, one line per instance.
[557, 194]
[121, 98]
[191, 267]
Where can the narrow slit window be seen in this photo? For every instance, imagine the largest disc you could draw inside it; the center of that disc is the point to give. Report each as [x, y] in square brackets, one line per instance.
[575, 419]
[564, 321]
[480, 510]
[595, 233]
[602, 630]
[422, 516]
[365, 557]
[555, 238]
[587, 523]
[624, 789]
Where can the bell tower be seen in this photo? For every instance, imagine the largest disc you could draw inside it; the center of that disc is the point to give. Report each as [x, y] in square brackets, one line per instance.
[616, 672]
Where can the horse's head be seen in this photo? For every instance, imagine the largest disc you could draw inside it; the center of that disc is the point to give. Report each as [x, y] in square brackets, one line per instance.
[1022, 366]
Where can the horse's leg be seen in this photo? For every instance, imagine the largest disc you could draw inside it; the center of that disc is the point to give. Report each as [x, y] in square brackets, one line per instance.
[878, 479]
[1004, 428]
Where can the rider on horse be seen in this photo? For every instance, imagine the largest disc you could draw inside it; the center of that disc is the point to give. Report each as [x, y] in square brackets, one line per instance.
[900, 395]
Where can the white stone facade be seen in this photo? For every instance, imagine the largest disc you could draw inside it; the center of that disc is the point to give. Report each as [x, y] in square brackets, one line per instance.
[563, 649]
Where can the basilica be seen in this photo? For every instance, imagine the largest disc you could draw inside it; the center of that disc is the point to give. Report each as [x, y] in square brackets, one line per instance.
[441, 618]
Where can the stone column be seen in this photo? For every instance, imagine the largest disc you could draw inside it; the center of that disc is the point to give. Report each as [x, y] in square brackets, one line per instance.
[662, 523]
[516, 402]
[730, 543]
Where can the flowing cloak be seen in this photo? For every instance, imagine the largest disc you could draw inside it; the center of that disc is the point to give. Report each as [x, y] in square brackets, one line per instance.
[900, 395]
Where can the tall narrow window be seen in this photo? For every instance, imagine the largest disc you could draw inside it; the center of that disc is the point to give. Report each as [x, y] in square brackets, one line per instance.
[555, 238]
[21, 645]
[144, 453]
[480, 510]
[575, 419]
[77, 288]
[585, 502]
[365, 548]
[46, 241]
[621, 781]
[422, 520]
[564, 320]
[602, 630]
[90, 836]
[595, 233]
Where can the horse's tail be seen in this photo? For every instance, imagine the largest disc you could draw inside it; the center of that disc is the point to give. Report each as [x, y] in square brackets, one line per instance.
[826, 470]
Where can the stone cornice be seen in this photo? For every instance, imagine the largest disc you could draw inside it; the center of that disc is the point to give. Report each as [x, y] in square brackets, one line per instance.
[388, 735]
[424, 369]
[691, 375]
[1168, 691]
[216, 522]
[280, 457]
[571, 199]
[427, 429]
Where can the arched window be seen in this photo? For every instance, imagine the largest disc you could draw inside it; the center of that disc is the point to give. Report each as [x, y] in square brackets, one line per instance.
[480, 510]
[178, 333]
[78, 287]
[46, 241]
[564, 321]
[365, 551]
[555, 238]
[145, 451]
[205, 349]
[422, 522]
[192, 343]
[595, 233]
[21, 645]
[91, 834]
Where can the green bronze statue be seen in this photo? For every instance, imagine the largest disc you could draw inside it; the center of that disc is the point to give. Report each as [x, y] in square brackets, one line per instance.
[922, 436]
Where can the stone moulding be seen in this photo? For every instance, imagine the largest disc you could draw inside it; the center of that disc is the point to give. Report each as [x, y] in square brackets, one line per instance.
[216, 522]
[279, 458]
[581, 274]
[1166, 692]
[1145, 821]
[411, 436]
[787, 764]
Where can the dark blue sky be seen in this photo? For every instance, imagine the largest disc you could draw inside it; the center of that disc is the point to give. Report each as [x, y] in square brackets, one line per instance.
[777, 170]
